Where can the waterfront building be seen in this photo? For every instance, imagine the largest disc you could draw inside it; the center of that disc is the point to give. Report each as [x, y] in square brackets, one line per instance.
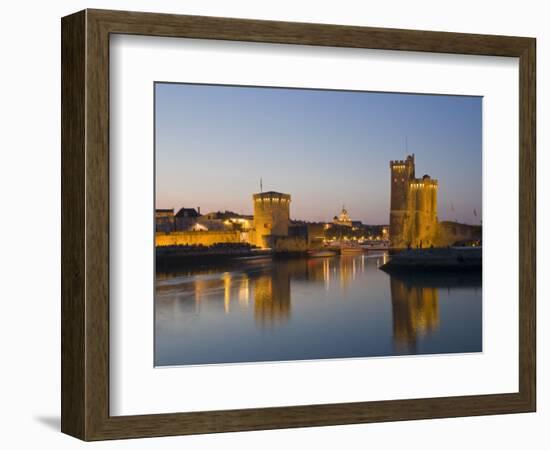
[343, 218]
[231, 220]
[164, 220]
[185, 218]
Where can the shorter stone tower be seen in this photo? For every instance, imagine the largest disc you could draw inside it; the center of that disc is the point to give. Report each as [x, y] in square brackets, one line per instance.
[424, 192]
[271, 217]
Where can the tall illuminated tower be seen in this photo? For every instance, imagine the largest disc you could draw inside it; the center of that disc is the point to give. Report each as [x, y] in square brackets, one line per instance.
[413, 207]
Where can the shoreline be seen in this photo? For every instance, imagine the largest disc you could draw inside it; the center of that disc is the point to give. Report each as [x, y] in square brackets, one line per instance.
[453, 259]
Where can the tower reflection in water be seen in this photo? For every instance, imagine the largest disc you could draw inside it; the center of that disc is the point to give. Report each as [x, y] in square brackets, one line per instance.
[415, 312]
[311, 308]
[266, 288]
[272, 298]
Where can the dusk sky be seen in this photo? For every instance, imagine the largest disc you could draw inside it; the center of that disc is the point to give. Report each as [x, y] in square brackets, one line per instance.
[324, 148]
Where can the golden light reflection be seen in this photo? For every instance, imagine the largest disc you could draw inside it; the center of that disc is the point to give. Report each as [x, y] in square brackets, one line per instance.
[200, 286]
[269, 291]
[343, 269]
[326, 273]
[272, 298]
[226, 291]
[244, 291]
[347, 270]
[415, 311]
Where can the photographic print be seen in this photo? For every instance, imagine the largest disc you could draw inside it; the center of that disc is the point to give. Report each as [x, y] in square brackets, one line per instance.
[306, 224]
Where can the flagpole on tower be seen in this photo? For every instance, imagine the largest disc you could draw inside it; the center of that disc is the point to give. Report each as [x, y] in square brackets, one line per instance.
[453, 211]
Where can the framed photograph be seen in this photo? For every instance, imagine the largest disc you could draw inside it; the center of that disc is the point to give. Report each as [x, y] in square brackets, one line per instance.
[272, 224]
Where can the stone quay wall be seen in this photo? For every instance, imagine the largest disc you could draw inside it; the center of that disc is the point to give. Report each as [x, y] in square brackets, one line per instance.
[205, 238]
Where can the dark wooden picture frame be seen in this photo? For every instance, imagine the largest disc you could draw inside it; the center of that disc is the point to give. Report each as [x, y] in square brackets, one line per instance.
[85, 224]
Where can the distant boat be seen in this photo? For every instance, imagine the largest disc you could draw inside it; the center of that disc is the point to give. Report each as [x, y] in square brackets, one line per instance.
[321, 253]
[350, 249]
[375, 246]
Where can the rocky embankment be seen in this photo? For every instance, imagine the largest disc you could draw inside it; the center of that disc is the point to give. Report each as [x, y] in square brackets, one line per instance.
[444, 259]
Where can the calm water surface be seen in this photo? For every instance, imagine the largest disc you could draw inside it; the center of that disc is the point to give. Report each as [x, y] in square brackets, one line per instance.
[337, 307]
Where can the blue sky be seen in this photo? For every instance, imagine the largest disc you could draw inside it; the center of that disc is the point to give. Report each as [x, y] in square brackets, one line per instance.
[324, 148]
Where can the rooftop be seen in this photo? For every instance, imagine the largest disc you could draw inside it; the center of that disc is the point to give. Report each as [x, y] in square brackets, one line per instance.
[187, 212]
[270, 194]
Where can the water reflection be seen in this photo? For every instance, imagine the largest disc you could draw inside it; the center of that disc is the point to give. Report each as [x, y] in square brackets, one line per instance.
[264, 285]
[330, 307]
[415, 303]
[415, 312]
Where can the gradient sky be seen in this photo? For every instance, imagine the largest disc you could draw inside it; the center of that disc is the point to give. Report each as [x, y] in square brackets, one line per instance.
[324, 148]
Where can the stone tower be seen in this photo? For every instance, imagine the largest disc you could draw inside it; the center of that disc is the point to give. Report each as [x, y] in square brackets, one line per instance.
[402, 174]
[271, 217]
[413, 208]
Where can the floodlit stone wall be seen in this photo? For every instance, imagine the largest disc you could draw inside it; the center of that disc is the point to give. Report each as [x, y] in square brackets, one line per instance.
[206, 238]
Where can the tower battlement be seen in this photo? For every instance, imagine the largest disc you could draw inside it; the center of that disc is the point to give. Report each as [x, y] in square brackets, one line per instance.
[423, 183]
[403, 169]
[271, 196]
[396, 163]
